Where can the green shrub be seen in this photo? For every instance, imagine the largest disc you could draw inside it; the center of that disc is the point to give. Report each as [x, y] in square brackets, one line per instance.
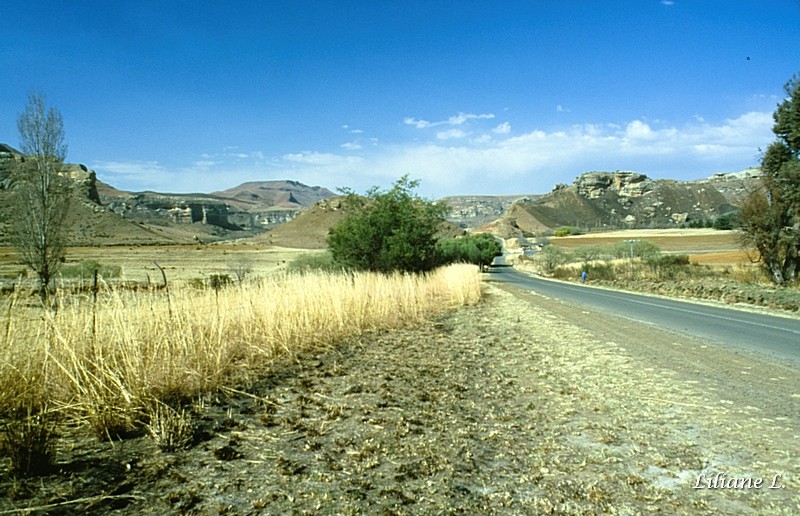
[668, 260]
[87, 268]
[641, 249]
[566, 231]
[218, 281]
[589, 253]
[313, 262]
[726, 221]
[551, 257]
[479, 249]
[564, 273]
[394, 230]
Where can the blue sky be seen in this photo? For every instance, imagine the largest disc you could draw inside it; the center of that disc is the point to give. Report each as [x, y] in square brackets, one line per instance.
[470, 97]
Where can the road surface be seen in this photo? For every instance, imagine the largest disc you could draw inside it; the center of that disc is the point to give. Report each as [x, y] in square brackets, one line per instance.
[778, 337]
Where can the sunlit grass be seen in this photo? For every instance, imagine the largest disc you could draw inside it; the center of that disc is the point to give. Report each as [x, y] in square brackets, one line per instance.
[108, 362]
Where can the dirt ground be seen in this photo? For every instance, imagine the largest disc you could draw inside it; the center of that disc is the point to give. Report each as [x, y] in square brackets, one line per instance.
[518, 405]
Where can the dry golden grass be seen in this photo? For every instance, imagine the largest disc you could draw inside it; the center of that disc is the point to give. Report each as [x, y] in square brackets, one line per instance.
[684, 241]
[107, 362]
[740, 257]
[182, 263]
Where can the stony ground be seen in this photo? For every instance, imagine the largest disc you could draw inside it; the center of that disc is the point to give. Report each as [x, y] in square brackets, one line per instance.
[518, 405]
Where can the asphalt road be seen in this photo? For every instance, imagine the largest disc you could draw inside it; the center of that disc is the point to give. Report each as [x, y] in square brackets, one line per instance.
[775, 336]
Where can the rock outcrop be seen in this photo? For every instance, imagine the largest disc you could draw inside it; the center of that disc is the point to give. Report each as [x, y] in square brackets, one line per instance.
[82, 179]
[477, 210]
[625, 199]
[626, 184]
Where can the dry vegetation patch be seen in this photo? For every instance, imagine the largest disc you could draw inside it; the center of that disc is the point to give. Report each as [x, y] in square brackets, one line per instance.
[504, 406]
[686, 241]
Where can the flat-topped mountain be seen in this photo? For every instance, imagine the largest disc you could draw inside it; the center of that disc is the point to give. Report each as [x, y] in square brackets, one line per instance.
[285, 194]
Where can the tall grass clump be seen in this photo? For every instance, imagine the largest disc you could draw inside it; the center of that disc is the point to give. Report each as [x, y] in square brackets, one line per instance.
[107, 361]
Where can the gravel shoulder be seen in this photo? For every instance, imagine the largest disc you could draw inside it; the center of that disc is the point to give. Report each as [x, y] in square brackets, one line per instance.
[519, 404]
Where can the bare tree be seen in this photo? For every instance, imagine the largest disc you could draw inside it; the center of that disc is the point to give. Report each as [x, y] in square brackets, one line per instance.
[42, 192]
[241, 267]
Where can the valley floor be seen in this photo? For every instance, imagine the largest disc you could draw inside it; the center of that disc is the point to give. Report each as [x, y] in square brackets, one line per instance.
[519, 404]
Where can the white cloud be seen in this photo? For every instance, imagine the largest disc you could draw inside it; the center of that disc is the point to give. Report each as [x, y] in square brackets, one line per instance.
[351, 146]
[503, 128]
[125, 171]
[419, 124]
[562, 109]
[638, 129]
[450, 163]
[312, 158]
[205, 164]
[534, 161]
[450, 133]
[463, 117]
[458, 119]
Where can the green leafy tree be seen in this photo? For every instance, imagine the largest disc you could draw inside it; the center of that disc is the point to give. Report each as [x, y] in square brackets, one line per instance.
[480, 249]
[42, 192]
[726, 221]
[770, 216]
[388, 231]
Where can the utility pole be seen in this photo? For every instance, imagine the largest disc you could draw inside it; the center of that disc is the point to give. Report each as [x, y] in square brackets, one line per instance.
[631, 242]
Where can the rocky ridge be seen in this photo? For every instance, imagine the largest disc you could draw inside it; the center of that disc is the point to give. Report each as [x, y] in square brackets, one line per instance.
[251, 207]
[626, 199]
[470, 211]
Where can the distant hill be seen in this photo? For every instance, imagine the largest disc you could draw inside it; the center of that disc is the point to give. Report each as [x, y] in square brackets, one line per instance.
[251, 207]
[291, 214]
[470, 211]
[621, 200]
[279, 194]
[103, 215]
[310, 229]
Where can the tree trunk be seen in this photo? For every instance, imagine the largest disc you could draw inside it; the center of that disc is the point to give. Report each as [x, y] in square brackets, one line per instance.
[777, 273]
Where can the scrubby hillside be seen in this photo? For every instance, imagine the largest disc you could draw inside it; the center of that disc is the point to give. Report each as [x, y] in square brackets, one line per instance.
[309, 230]
[621, 200]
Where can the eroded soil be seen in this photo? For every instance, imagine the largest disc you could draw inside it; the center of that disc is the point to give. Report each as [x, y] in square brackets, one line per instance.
[520, 404]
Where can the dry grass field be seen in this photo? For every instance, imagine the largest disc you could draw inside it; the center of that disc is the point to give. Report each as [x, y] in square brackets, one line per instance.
[515, 405]
[694, 242]
[118, 361]
[361, 393]
[718, 269]
[181, 263]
